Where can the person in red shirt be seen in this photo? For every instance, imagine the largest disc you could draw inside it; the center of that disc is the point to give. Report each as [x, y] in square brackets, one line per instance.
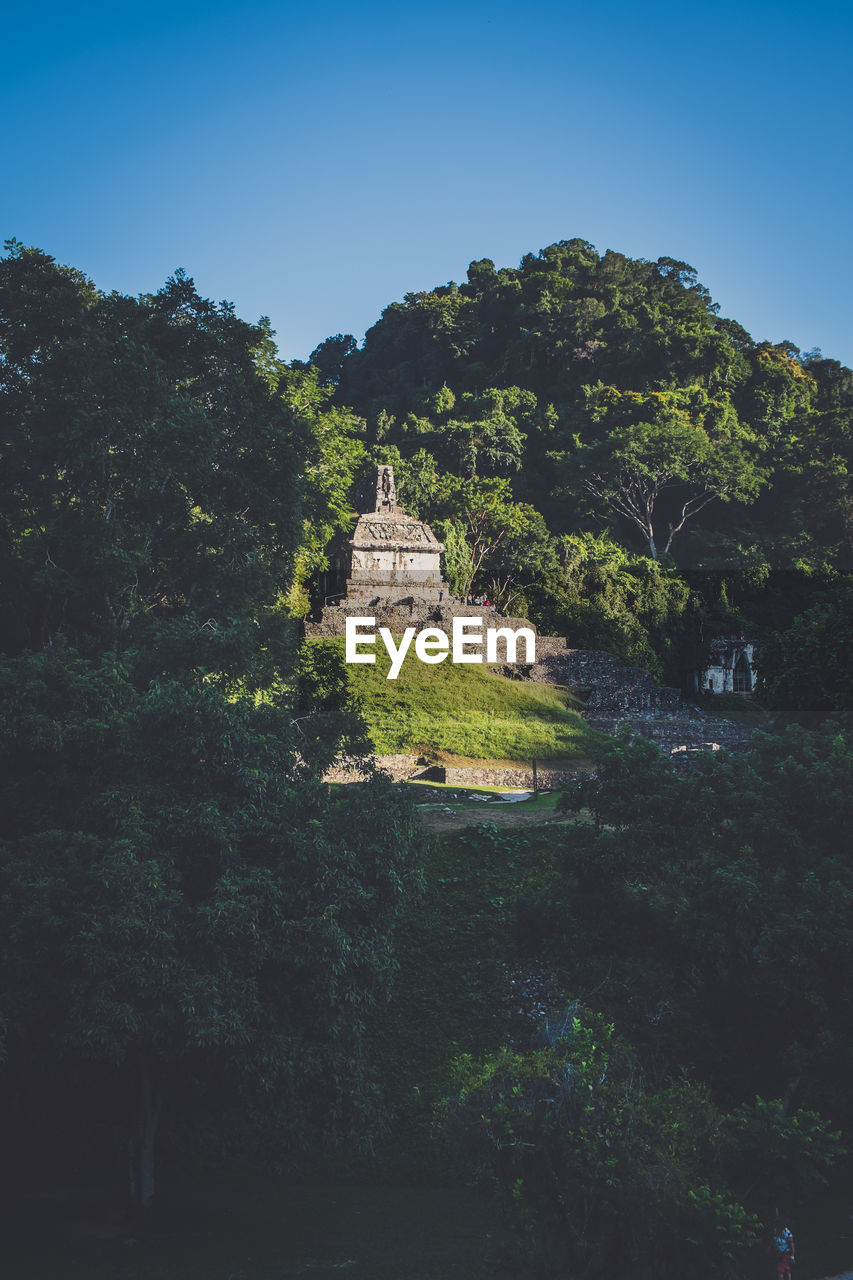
[784, 1242]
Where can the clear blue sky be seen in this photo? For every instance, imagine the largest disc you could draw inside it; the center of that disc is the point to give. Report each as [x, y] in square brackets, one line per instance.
[314, 162]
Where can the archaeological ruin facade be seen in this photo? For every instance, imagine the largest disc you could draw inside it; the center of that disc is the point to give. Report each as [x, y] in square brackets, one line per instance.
[391, 571]
[393, 557]
[730, 667]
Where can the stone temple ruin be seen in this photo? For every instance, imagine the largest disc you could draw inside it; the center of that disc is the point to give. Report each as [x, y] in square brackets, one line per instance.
[392, 568]
[393, 571]
[731, 666]
[395, 558]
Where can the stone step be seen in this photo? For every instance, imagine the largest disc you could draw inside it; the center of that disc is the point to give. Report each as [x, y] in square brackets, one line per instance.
[409, 612]
[619, 695]
[679, 734]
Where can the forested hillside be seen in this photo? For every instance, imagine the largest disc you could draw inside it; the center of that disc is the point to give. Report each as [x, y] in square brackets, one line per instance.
[601, 449]
[627, 1015]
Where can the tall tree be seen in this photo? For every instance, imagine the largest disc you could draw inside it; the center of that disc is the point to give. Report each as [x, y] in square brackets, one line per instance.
[640, 449]
[146, 475]
[181, 899]
[181, 895]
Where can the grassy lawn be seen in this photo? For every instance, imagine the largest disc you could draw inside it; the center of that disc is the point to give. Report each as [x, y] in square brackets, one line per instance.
[468, 711]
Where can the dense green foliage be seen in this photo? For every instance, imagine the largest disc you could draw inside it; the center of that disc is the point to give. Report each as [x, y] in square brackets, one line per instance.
[182, 899]
[614, 599]
[706, 915]
[587, 394]
[599, 1170]
[246, 1223]
[740, 866]
[633, 1023]
[576, 350]
[806, 669]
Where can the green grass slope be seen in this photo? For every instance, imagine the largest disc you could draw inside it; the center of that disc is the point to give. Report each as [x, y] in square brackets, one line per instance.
[468, 711]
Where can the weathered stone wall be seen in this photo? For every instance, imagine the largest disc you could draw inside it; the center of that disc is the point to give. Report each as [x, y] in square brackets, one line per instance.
[406, 766]
[617, 694]
[354, 769]
[592, 668]
[637, 698]
[410, 612]
[547, 779]
[690, 730]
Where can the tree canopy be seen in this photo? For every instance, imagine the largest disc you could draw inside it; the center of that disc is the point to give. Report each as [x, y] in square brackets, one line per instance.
[613, 400]
[181, 895]
[188, 910]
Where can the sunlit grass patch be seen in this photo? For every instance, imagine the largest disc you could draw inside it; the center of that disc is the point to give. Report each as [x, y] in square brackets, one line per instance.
[467, 711]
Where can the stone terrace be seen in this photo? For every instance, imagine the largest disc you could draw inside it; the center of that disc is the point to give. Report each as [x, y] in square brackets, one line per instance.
[409, 612]
[616, 694]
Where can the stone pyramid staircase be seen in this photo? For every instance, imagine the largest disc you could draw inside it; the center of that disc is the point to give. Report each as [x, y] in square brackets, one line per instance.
[615, 694]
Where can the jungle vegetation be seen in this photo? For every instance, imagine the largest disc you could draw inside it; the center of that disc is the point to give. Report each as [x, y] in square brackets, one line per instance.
[600, 449]
[204, 949]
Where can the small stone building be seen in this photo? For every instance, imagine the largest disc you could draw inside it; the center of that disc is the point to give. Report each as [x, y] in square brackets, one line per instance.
[394, 558]
[731, 666]
[391, 571]
[390, 568]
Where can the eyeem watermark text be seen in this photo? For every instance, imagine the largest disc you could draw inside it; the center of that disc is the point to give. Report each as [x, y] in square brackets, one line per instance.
[433, 645]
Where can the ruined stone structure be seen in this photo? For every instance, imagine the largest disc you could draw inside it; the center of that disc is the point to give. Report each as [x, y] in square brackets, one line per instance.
[617, 695]
[731, 666]
[394, 558]
[405, 768]
[392, 565]
[393, 572]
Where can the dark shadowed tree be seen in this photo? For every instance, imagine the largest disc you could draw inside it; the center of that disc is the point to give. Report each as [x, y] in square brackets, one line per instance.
[181, 897]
